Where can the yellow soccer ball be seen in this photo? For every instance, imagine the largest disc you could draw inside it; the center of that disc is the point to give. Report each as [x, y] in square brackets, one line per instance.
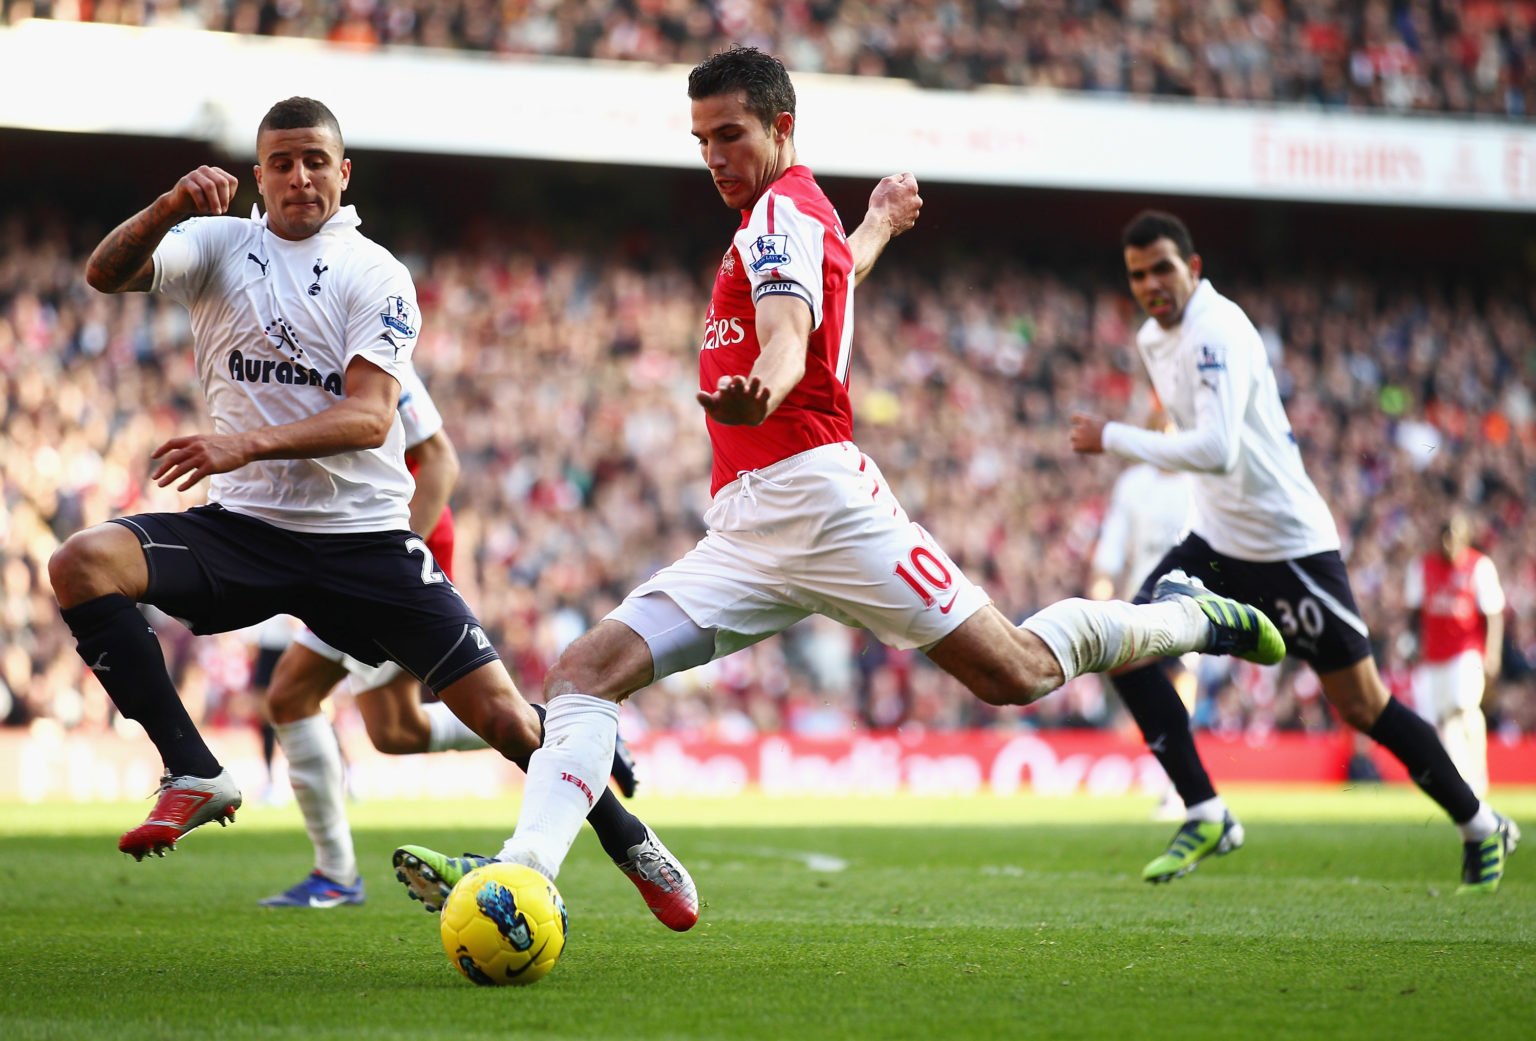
[503, 924]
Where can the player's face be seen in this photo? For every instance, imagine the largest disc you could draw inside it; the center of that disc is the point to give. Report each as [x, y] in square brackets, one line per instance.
[1162, 280]
[744, 157]
[301, 174]
[1455, 536]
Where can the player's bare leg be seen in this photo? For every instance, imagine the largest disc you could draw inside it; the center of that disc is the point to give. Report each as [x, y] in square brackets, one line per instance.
[395, 718]
[1364, 702]
[400, 723]
[1003, 664]
[99, 575]
[997, 661]
[490, 704]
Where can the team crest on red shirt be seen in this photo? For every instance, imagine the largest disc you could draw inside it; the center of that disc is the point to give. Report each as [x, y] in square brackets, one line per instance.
[728, 263]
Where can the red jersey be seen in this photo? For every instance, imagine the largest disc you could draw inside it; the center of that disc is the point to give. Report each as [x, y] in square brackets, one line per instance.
[1454, 598]
[792, 243]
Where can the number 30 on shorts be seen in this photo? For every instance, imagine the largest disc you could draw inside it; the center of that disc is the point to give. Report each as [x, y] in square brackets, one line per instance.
[1307, 617]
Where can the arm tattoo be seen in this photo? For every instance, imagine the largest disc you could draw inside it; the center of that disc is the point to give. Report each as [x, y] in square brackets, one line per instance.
[122, 262]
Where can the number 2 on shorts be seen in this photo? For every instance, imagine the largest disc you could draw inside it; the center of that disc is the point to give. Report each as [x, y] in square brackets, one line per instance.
[429, 571]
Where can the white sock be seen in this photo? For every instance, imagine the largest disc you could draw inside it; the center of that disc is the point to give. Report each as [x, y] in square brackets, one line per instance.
[1212, 809]
[1482, 824]
[565, 779]
[449, 734]
[1099, 635]
[1464, 733]
[314, 770]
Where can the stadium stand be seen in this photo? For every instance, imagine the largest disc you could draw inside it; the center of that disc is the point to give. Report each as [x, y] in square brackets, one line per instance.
[566, 376]
[1444, 56]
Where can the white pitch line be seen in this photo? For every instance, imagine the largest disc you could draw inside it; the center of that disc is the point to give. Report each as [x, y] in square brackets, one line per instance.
[813, 861]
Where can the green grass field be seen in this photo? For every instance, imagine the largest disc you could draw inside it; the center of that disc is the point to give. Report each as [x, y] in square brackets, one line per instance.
[857, 918]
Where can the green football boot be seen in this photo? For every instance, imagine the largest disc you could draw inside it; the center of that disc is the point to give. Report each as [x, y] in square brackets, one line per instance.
[1237, 628]
[1192, 843]
[429, 876]
[1482, 863]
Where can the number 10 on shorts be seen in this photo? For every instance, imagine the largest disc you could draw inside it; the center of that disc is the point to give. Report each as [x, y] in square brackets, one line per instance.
[929, 576]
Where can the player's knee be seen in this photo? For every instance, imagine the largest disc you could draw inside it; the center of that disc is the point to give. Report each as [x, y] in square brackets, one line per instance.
[513, 730]
[83, 568]
[398, 741]
[1017, 682]
[1359, 712]
[609, 661]
[575, 672]
[294, 693]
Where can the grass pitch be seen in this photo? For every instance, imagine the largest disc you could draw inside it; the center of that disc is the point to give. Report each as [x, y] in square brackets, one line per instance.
[858, 918]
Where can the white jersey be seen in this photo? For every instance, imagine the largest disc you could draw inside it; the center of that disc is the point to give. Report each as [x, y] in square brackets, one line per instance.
[1149, 512]
[275, 324]
[1253, 498]
[419, 416]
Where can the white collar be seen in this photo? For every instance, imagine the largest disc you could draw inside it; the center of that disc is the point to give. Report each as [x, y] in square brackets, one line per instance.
[346, 217]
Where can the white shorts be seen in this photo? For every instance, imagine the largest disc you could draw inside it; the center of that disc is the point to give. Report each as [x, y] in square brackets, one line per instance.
[817, 533]
[361, 676]
[1444, 688]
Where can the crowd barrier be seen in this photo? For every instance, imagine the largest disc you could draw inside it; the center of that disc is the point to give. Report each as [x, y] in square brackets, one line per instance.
[46, 764]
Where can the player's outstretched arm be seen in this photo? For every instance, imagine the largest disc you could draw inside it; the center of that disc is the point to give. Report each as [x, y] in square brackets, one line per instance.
[123, 262]
[893, 208]
[361, 420]
[783, 330]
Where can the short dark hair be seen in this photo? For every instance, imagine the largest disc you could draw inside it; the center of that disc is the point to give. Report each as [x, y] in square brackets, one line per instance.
[299, 114]
[1150, 225]
[761, 75]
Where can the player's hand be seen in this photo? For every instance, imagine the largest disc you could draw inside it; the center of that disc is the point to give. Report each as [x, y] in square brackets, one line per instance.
[1087, 434]
[739, 401]
[205, 192]
[196, 457]
[895, 201]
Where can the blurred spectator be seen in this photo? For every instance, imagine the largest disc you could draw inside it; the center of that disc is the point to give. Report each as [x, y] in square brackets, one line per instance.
[1462, 56]
[567, 379]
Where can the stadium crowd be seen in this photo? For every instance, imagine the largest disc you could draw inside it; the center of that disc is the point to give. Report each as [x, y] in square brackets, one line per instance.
[1461, 56]
[566, 375]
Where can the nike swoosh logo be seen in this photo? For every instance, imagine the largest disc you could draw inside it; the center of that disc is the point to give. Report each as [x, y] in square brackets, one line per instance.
[533, 958]
[326, 901]
[945, 608]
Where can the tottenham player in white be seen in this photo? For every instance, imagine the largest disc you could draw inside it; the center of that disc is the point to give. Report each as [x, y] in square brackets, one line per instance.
[397, 721]
[303, 330]
[1261, 533]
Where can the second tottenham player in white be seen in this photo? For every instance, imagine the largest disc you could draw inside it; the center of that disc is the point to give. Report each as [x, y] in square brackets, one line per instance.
[1263, 534]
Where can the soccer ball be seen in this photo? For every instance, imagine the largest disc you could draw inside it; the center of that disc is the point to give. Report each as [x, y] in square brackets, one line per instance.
[503, 923]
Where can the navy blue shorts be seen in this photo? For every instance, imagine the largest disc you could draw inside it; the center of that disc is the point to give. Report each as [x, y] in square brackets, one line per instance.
[375, 595]
[1308, 598]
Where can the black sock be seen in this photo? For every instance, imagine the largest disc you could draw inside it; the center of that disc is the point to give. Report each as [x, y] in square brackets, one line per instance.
[617, 829]
[1164, 721]
[121, 649]
[1402, 732]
